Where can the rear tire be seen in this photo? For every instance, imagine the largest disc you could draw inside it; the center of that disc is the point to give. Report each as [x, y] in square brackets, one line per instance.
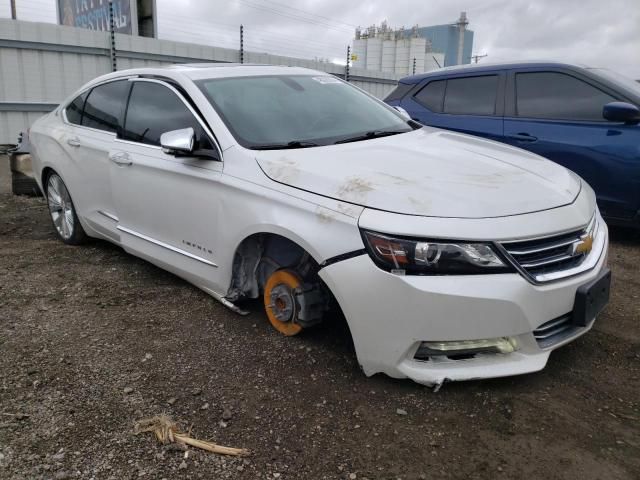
[63, 212]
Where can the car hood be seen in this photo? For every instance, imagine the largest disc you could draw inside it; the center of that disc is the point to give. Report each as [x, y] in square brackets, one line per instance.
[427, 172]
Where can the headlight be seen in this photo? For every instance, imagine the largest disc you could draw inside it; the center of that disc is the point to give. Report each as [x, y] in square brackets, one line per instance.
[424, 257]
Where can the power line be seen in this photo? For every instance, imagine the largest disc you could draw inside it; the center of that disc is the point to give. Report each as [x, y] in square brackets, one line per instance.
[310, 14]
[292, 16]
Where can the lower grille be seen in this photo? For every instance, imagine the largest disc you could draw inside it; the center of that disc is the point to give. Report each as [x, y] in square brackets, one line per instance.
[555, 331]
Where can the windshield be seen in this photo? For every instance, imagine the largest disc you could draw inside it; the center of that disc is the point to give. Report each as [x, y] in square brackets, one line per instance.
[298, 111]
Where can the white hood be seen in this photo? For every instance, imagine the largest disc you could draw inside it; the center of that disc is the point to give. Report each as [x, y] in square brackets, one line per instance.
[428, 172]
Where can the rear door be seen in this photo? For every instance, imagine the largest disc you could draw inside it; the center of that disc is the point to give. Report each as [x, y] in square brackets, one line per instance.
[469, 103]
[91, 141]
[557, 113]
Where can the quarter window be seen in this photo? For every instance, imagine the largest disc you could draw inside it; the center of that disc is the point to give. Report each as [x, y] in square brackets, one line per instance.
[558, 96]
[74, 109]
[153, 110]
[105, 105]
[471, 95]
[432, 95]
[400, 91]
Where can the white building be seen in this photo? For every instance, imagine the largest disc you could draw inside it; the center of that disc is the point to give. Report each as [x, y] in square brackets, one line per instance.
[394, 51]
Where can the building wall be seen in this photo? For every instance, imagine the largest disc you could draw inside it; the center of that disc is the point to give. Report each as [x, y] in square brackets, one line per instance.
[41, 64]
[444, 38]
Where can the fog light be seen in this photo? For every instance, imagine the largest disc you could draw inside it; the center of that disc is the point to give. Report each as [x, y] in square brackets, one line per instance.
[465, 347]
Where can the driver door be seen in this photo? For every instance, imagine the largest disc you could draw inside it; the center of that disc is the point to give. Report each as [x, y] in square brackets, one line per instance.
[167, 205]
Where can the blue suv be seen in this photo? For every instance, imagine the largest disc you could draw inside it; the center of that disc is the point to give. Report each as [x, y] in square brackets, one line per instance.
[583, 118]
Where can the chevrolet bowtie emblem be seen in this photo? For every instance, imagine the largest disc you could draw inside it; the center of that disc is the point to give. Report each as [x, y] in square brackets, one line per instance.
[583, 246]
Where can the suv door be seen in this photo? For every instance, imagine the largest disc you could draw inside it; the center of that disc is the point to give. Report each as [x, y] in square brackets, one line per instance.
[166, 205]
[558, 114]
[94, 119]
[469, 104]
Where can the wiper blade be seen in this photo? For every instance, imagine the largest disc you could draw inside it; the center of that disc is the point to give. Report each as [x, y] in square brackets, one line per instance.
[283, 146]
[369, 135]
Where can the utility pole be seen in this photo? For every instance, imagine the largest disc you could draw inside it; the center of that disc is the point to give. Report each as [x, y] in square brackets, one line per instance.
[112, 34]
[241, 44]
[13, 10]
[476, 58]
[346, 68]
[414, 65]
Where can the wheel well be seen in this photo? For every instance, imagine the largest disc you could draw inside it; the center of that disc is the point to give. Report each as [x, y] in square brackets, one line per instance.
[46, 171]
[259, 255]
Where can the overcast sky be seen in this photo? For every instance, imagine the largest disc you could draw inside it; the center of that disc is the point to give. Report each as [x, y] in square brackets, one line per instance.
[595, 32]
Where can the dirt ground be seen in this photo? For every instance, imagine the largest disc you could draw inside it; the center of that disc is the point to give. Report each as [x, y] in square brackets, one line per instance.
[92, 339]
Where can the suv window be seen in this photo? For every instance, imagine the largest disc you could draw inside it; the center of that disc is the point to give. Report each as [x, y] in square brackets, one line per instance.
[104, 106]
[559, 96]
[399, 92]
[471, 95]
[432, 95]
[153, 110]
[74, 109]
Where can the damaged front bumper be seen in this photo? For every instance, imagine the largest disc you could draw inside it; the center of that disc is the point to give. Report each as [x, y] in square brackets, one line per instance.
[390, 316]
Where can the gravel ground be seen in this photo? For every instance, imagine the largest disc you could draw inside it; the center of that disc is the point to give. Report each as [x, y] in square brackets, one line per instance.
[93, 339]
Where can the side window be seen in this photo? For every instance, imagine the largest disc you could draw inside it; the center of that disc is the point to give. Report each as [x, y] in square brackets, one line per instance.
[471, 95]
[153, 110]
[74, 109]
[432, 95]
[105, 105]
[558, 96]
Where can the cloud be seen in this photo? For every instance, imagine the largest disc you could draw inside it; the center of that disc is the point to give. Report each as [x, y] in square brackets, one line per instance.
[592, 32]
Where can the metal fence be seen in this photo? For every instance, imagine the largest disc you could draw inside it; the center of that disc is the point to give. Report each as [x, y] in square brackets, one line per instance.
[40, 64]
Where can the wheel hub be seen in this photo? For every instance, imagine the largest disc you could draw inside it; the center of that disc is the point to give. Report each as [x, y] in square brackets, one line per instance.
[282, 303]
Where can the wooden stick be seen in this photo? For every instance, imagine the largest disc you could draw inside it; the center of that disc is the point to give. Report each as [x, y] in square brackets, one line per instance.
[166, 430]
[210, 447]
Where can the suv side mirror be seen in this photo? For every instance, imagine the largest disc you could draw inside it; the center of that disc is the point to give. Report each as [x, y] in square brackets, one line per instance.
[178, 142]
[621, 112]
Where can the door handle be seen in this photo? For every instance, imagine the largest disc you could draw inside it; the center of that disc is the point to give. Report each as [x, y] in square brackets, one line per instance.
[74, 141]
[121, 158]
[523, 137]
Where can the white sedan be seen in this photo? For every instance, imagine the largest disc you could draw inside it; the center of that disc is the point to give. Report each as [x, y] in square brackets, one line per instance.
[451, 257]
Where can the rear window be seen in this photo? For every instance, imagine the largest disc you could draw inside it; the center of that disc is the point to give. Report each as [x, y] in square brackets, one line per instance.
[471, 95]
[432, 95]
[400, 91]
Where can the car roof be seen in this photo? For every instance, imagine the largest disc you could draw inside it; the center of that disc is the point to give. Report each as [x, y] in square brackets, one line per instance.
[487, 67]
[197, 71]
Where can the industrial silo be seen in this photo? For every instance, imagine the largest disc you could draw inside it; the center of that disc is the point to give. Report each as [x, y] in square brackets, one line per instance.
[374, 53]
[360, 53]
[389, 54]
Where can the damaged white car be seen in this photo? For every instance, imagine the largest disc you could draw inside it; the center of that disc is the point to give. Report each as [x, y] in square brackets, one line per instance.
[451, 257]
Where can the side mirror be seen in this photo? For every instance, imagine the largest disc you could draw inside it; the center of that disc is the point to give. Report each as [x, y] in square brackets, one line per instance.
[621, 112]
[178, 142]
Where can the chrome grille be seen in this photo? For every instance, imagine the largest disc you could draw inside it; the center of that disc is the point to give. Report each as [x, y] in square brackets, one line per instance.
[554, 331]
[549, 258]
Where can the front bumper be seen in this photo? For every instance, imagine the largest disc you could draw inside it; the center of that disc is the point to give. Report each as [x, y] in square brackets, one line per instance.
[390, 315]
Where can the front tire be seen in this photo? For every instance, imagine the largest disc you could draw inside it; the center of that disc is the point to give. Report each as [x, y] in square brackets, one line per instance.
[63, 212]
